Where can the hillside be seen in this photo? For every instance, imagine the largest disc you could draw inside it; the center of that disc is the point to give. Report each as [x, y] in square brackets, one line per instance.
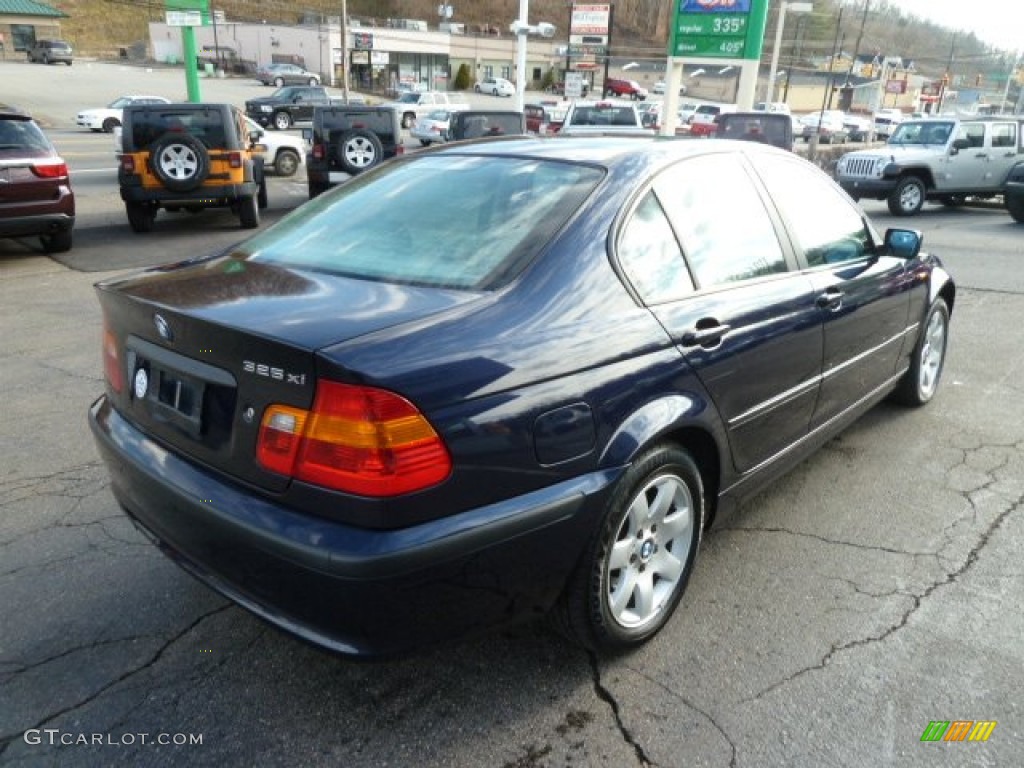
[100, 27]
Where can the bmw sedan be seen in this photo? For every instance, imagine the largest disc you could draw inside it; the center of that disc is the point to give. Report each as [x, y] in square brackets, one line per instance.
[504, 378]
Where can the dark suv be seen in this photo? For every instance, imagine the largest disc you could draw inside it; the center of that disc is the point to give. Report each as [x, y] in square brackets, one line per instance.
[189, 156]
[347, 140]
[51, 52]
[625, 89]
[35, 189]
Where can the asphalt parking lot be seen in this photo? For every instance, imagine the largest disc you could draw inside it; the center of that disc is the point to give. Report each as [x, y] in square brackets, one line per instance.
[871, 591]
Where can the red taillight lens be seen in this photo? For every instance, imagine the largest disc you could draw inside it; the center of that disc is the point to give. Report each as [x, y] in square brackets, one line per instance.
[112, 360]
[318, 152]
[50, 170]
[128, 163]
[356, 439]
[235, 159]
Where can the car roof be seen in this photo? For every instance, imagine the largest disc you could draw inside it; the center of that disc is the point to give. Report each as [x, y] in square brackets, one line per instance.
[634, 151]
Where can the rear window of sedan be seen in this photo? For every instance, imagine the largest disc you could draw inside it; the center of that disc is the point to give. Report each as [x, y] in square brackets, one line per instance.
[463, 222]
[20, 136]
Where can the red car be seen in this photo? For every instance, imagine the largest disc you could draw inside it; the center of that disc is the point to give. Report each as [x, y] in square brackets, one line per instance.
[545, 118]
[36, 199]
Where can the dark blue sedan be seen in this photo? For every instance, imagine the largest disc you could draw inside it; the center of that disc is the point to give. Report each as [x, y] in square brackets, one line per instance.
[503, 379]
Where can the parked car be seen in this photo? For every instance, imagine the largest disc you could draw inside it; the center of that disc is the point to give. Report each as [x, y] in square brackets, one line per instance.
[432, 129]
[858, 127]
[503, 378]
[545, 119]
[51, 52]
[886, 121]
[775, 128]
[828, 125]
[658, 88]
[603, 118]
[108, 118]
[189, 156]
[703, 122]
[624, 89]
[485, 124]
[36, 199]
[286, 74]
[348, 140]
[495, 86]
[283, 153]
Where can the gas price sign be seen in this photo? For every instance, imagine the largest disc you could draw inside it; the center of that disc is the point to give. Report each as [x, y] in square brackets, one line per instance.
[711, 28]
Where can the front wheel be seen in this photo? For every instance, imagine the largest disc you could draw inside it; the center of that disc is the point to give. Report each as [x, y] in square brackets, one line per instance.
[282, 121]
[908, 197]
[286, 163]
[921, 380]
[637, 565]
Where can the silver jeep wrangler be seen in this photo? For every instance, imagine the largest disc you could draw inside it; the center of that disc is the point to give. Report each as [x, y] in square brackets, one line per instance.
[946, 159]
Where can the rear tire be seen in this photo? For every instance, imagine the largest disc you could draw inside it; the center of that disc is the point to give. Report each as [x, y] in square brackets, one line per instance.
[286, 163]
[315, 190]
[282, 121]
[635, 568]
[110, 124]
[140, 216]
[261, 197]
[1015, 205]
[249, 212]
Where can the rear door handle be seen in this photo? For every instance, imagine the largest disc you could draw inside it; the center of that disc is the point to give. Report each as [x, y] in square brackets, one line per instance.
[831, 299]
[705, 336]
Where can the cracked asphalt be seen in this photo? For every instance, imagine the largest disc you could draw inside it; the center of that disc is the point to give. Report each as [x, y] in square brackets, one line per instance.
[872, 590]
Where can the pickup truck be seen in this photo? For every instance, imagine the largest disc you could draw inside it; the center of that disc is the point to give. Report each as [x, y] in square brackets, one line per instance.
[416, 104]
[602, 117]
[291, 104]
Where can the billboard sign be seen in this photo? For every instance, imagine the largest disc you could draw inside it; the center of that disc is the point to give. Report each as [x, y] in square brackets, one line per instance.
[590, 19]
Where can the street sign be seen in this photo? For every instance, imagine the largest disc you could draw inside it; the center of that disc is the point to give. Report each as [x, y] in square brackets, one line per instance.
[184, 19]
[585, 50]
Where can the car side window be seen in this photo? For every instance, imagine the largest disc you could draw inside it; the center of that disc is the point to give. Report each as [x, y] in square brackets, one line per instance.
[826, 225]
[973, 132]
[1004, 135]
[726, 231]
[650, 256]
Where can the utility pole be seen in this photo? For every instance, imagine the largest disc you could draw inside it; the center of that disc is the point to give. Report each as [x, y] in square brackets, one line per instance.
[344, 49]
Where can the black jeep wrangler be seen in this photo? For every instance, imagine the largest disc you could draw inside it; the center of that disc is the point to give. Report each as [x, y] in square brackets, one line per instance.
[189, 156]
[347, 140]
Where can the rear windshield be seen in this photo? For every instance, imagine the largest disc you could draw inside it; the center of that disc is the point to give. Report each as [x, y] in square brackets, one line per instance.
[22, 137]
[464, 222]
[207, 125]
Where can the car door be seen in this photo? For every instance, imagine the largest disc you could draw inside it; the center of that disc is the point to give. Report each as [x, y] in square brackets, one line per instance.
[1005, 143]
[703, 251]
[863, 295]
[967, 168]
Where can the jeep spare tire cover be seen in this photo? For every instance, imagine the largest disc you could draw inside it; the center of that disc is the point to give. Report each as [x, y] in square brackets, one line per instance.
[180, 161]
[359, 150]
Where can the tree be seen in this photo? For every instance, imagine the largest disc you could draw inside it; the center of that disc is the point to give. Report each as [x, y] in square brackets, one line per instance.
[463, 80]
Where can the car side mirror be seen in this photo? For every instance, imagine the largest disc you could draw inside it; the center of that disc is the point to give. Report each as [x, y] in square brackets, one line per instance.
[307, 134]
[903, 243]
[960, 144]
[255, 136]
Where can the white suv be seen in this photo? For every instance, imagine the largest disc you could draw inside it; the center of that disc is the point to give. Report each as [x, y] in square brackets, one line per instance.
[946, 159]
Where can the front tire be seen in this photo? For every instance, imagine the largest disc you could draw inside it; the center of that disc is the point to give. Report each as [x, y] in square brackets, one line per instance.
[908, 197]
[920, 382]
[637, 565]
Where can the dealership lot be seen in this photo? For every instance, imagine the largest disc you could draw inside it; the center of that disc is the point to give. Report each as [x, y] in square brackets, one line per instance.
[873, 590]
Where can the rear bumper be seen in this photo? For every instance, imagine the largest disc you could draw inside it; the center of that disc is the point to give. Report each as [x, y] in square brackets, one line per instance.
[41, 224]
[207, 196]
[358, 592]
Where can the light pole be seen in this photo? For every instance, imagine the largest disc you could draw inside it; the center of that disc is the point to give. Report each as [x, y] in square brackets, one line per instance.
[521, 28]
[784, 6]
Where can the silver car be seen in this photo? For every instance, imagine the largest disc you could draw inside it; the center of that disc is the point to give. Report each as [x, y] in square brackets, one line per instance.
[286, 74]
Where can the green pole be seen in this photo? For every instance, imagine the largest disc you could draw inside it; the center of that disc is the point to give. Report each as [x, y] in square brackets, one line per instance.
[188, 43]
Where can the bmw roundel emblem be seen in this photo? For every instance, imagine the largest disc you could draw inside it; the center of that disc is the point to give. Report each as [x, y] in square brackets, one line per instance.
[141, 383]
[163, 328]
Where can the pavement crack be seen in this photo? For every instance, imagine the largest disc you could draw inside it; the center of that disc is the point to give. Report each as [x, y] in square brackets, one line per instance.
[916, 600]
[606, 696]
[690, 705]
[826, 540]
[7, 739]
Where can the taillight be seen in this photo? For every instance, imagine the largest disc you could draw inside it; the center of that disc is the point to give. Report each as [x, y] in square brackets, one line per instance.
[235, 159]
[356, 439]
[112, 360]
[399, 150]
[50, 170]
[128, 163]
[318, 151]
